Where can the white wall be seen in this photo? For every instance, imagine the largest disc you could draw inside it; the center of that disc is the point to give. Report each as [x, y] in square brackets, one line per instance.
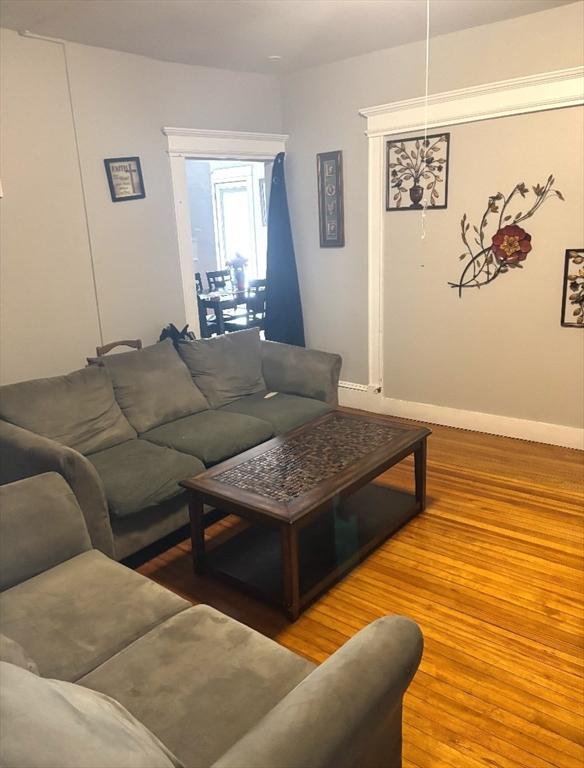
[120, 102]
[500, 349]
[321, 114]
[48, 317]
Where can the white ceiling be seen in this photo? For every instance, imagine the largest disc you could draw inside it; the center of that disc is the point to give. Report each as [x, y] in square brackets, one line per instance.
[242, 34]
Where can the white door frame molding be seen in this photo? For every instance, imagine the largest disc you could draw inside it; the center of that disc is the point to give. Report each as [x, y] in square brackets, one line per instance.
[535, 93]
[184, 143]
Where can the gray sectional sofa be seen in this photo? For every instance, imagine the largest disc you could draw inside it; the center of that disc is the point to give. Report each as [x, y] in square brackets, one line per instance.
[125, 430]
[102, 668]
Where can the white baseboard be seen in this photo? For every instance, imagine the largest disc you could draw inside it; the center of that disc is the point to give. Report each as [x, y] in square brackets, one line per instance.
[367, 399]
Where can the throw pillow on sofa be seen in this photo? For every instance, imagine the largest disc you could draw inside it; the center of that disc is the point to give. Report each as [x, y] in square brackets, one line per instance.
[48, 723]
[225, 367]
[78, 410]
[14, 653]
[153, 386]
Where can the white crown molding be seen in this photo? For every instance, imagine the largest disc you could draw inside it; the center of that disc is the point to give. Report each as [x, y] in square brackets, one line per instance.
[196, 142]
[358, 396]
[535, 93]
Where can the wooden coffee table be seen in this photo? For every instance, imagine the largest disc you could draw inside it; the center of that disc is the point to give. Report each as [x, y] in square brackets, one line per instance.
[312, 511]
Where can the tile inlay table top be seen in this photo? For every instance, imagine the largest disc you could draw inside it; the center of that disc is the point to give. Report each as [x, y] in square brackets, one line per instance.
[294, 467]
[312, 490]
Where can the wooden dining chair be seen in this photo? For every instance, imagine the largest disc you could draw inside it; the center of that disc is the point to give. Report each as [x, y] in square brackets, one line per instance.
[132, 343]
[220, 280]
[255, 309]
[103, 350]
[256, 303]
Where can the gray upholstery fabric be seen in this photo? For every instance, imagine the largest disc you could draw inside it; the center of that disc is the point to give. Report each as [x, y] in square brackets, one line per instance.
[200, 681]
[225, 367]
[73, 617]
[49, 723]
[42, 525]
[153, 386]
[299, 371]
[24, 454]
[13, 653]
[138, 474]
[78, 410]
[347, 713]
[213, 435]
[283, 412]
[134, 532]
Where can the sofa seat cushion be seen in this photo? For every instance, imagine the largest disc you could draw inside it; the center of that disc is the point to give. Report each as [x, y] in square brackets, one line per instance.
[153, 385]
[212, 435]
[73, 617]
[225, 367]
[49, 723]
[283, 412]
[139, 474]
[218, 679]
[78, 410]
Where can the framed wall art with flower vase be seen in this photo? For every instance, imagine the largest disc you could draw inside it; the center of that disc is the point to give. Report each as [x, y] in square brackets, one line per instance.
[329, 169]
[573, 289]
[417, 172]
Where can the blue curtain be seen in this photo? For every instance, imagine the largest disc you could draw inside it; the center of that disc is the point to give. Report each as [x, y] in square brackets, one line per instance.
[284, 321]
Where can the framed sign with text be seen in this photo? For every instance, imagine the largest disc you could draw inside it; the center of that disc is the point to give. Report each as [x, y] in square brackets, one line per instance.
[124, 176]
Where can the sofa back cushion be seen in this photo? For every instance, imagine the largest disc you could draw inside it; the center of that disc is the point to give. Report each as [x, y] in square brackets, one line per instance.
[153, 386]
[78, 410]
[225, 367]
[48, 723]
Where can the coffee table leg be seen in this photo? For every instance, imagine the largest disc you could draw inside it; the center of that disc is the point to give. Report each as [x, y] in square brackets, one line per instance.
[197, 533]
[420, 473]
[290, 576]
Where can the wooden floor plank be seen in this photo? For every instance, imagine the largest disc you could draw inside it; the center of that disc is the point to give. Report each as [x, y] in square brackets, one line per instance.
[493, 571]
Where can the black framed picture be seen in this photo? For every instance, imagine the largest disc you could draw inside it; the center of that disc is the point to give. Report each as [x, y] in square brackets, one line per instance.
[124, 176]
[329, 168]
[573, 289]
[417, 170]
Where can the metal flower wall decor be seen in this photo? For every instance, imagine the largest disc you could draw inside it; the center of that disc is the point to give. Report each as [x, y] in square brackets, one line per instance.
[492, 255]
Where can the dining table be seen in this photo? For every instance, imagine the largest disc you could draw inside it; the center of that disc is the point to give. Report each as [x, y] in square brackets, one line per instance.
[217, 302]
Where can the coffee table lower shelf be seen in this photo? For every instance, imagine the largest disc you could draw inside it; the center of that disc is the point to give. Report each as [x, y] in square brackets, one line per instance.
[254, 559]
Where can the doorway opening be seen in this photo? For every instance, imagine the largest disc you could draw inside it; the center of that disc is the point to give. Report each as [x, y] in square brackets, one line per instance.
[228, 205]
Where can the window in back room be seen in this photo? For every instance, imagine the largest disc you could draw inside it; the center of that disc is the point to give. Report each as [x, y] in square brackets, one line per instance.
[228, 208]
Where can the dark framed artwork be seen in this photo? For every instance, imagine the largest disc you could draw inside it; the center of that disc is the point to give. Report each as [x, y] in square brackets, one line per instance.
[124, 176]
[573, 289]
[329, 167]
[417, 169]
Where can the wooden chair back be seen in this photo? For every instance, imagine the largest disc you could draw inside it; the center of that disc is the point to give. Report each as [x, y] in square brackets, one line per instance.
[132, 343]
[220, 280]
[256, 302]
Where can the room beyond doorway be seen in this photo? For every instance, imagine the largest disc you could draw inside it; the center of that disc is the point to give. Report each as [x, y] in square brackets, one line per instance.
[228, 212]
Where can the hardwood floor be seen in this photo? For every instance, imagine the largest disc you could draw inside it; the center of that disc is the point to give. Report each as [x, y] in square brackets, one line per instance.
[493, 573]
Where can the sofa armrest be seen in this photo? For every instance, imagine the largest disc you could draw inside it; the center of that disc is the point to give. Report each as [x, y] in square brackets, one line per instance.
[24, 453]
[300, 371]
[345, 713]
[41, 525]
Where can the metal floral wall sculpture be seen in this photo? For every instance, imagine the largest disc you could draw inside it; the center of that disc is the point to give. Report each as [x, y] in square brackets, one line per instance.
[490, 256]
